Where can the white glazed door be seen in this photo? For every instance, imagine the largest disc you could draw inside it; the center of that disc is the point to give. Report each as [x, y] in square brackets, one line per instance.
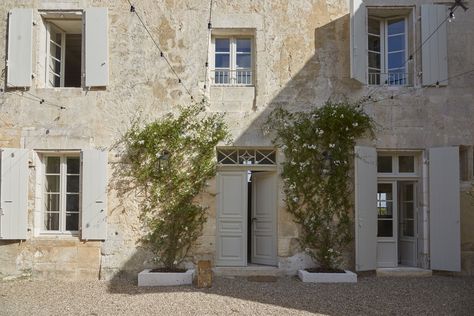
[407, 224]
[263, 222]
[387, 254]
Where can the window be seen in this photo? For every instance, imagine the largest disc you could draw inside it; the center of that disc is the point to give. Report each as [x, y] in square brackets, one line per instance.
[61, 194]
[72, 48]
[387, 51]
[396, 164]
[233, 62]
[64, 51]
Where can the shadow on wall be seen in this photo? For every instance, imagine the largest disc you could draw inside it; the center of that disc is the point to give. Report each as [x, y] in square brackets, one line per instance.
[325, 75]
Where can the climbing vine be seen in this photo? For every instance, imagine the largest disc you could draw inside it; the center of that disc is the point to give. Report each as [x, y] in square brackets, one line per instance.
[318, 148]
[170, 160]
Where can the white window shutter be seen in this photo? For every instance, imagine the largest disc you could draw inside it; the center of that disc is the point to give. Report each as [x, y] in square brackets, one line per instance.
[445, 240]
[366, 208]
[358, 41]
[434, 53]
[94, 194]
[96, 47]
[20, 39]
[13, 193]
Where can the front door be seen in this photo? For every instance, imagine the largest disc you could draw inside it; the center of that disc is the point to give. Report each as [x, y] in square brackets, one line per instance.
[263, 221]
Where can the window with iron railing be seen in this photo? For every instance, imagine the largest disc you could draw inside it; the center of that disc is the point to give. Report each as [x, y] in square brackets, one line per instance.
[387, 51]
[233, 62]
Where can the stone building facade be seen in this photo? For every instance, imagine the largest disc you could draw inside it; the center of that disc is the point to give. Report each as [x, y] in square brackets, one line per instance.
[94, 68]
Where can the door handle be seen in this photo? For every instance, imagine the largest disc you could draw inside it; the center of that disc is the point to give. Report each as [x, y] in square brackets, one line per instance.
[254, 219]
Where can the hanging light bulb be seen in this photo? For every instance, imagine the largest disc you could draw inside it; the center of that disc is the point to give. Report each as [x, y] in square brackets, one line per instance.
[451, 16]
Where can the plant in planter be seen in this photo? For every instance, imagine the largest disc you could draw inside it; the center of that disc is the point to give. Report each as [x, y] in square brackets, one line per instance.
[171, 159]
[319, 147]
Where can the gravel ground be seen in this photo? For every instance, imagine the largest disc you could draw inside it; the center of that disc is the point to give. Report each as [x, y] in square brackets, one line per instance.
[438, 295]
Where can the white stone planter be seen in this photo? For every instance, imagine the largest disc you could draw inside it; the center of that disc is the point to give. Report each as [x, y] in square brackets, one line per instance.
[347, 277]
[147, 278]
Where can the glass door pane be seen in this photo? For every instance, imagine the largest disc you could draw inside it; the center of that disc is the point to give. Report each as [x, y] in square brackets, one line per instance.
[385, 210]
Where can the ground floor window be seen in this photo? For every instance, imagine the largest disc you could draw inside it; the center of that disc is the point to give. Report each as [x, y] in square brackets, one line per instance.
[61, 193]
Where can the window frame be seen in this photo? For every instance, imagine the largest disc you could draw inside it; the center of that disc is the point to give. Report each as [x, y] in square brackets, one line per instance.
[384, 71]
[233, 69]
[62, 194]
[48, 18]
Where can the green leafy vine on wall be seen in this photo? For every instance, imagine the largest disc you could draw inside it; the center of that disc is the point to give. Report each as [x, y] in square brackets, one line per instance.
[171, 159]
[319, 148]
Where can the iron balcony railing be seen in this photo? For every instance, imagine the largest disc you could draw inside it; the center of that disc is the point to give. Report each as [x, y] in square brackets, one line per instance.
[239, 77]
[390, 79]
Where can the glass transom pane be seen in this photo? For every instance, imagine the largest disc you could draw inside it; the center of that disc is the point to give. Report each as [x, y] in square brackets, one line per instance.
[406, 164]
[384, 164]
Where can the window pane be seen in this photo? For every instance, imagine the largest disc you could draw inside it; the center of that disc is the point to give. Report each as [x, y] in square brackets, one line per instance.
[72, 184]
[222, 60]
[52, 165]
[52, 183]
[396, 60]
[72, 221]
[396, 26]
[374, 26]
[374, 43]
[408, 192]
[51, 221]
[409, 228]
[385, 209]
[222, 45]
[72, 203]
[244, 61]
[384, 164]
[385, 228]
[409, 210]
[374, 60]
[72, 66]
[406, 164]
[52, 202]
[244, 45]
[396, 43]
[73, 165]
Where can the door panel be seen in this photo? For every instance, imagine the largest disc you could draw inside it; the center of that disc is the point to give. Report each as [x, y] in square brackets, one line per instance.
[263, 224]
[232, 219]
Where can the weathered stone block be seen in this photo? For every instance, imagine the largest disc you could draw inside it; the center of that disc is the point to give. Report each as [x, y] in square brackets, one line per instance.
[204, 274]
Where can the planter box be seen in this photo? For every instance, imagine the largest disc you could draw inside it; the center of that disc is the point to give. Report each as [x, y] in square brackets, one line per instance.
[147, 278]
[347, 277]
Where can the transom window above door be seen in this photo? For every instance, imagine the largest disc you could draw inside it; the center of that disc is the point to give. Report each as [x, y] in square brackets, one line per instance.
[246, 156]
[232, 61]
[397, 164]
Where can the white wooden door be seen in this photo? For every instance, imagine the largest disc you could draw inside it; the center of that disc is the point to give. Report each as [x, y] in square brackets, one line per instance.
[232, 219]
[263, 222]
[365, 207]
[445, 237]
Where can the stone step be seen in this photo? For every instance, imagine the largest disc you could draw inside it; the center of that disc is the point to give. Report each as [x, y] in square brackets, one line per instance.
[403, 272]
[248, 271]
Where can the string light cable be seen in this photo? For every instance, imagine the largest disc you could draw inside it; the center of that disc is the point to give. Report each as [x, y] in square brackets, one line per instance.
[369, 99]
[209, 33]
[134, 10]
[32, 97]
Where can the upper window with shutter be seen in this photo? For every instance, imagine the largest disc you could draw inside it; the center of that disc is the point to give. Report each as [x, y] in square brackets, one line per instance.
[383, 46]
[72, 50]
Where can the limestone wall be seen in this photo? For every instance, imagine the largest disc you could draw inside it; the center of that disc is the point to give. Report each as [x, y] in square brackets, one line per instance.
[301, 60]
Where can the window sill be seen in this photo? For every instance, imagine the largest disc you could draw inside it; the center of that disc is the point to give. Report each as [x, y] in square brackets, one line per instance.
[57, 236]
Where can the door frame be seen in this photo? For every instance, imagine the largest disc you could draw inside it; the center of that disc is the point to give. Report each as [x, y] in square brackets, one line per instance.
[252, 168]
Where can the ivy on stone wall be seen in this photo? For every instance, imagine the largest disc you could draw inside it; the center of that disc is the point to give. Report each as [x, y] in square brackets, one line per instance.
[171, 159]
[319, 148]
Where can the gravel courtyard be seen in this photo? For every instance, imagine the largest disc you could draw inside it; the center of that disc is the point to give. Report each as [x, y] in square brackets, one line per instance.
[439, 295]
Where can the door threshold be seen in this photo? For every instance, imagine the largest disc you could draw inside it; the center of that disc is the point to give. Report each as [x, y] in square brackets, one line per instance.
[403, 272]
[251, 270]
